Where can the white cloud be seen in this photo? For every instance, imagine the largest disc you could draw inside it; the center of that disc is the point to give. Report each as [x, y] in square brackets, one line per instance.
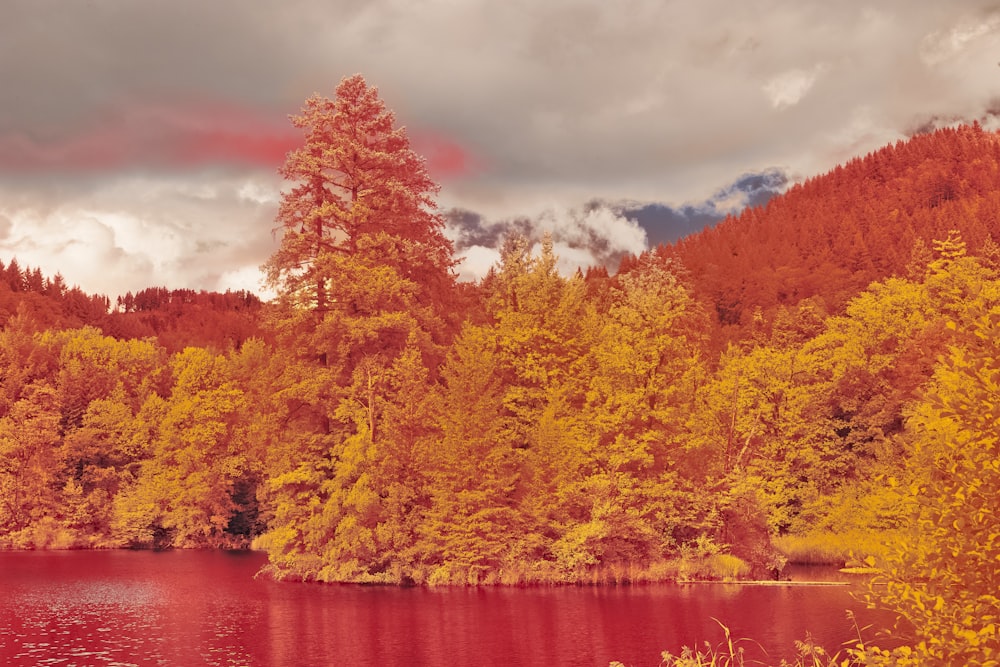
[476, 262]
[259, 193]
[587, 236]
[80, 246]
[572, 258]
[788, 88]
[246, 278]
[129, 233]
[943, 45]
[599, 228]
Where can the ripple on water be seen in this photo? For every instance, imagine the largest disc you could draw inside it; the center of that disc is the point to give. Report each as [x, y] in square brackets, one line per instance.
[117, 623]
[90, 593]
[82, 623]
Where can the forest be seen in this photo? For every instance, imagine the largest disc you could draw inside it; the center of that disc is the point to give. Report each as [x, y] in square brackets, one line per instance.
[811, 380]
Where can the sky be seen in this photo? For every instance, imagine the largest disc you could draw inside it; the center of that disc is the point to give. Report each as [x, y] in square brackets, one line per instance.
[140, 141]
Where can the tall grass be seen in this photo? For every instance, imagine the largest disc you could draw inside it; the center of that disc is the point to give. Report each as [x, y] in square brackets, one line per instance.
[714, 567]
[732, 652]
[543, 573]
[830, 548]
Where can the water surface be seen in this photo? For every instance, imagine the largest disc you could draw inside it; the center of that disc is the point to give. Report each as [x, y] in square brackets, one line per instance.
[206, 608]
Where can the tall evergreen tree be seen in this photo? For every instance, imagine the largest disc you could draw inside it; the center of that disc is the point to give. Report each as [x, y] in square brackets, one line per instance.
[358, 188]
[364, 275]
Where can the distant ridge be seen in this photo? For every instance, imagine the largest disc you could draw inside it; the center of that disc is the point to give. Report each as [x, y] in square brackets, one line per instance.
[831, 236]
[176, 318]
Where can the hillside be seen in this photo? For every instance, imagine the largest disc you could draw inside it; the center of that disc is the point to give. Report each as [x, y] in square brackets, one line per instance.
[175, 318]
[186, 318]
[49, 302]
[833, 235]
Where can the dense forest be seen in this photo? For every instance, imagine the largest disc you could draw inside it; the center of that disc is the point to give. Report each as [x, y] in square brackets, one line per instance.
[815, 376]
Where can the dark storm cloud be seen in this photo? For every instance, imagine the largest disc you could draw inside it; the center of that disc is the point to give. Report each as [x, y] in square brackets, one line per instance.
[169, 139]
[586, 87]
[665, 224]
[471, 229]
[610, 95]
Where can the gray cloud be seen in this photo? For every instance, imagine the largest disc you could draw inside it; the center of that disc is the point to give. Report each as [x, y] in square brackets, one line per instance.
[599, 232]
[591, 235]
[469, 229]
[645, 104]
[665, 223]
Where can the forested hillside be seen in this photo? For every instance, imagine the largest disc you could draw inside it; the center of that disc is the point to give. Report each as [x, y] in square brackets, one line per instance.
[780, 380]
[182, 318]
[830, 237]
[49, 301]
[175, 318]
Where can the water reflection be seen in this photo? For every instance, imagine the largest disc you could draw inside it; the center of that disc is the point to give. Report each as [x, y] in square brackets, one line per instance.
[191, 608]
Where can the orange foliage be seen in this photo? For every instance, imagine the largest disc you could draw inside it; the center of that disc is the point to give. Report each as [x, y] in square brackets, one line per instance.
[835, 234]
[393, 426]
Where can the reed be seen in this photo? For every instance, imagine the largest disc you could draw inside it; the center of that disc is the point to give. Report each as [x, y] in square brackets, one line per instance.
[830, 548]
[732, 652]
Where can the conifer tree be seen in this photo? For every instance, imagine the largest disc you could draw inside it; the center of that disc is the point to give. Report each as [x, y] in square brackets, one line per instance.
[364, 275]
[355, 179]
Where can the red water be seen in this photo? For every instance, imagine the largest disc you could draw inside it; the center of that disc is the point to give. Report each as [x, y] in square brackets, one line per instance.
[206, 608]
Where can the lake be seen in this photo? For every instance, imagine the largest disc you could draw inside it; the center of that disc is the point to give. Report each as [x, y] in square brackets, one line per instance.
[205, 608]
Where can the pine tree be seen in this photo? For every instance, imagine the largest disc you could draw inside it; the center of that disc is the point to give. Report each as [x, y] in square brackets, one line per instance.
[365, 278]
[359, 190]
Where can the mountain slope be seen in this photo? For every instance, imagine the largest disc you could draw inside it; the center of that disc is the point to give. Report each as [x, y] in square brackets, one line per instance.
[176, 318]
[834, 234]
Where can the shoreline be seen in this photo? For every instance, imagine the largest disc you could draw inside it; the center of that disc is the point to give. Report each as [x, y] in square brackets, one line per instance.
[755, 582]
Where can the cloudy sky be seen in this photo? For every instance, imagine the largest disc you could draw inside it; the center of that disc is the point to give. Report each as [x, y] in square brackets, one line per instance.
[139, 140]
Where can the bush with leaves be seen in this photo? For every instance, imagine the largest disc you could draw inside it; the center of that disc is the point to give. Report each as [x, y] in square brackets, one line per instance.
[944, 576]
